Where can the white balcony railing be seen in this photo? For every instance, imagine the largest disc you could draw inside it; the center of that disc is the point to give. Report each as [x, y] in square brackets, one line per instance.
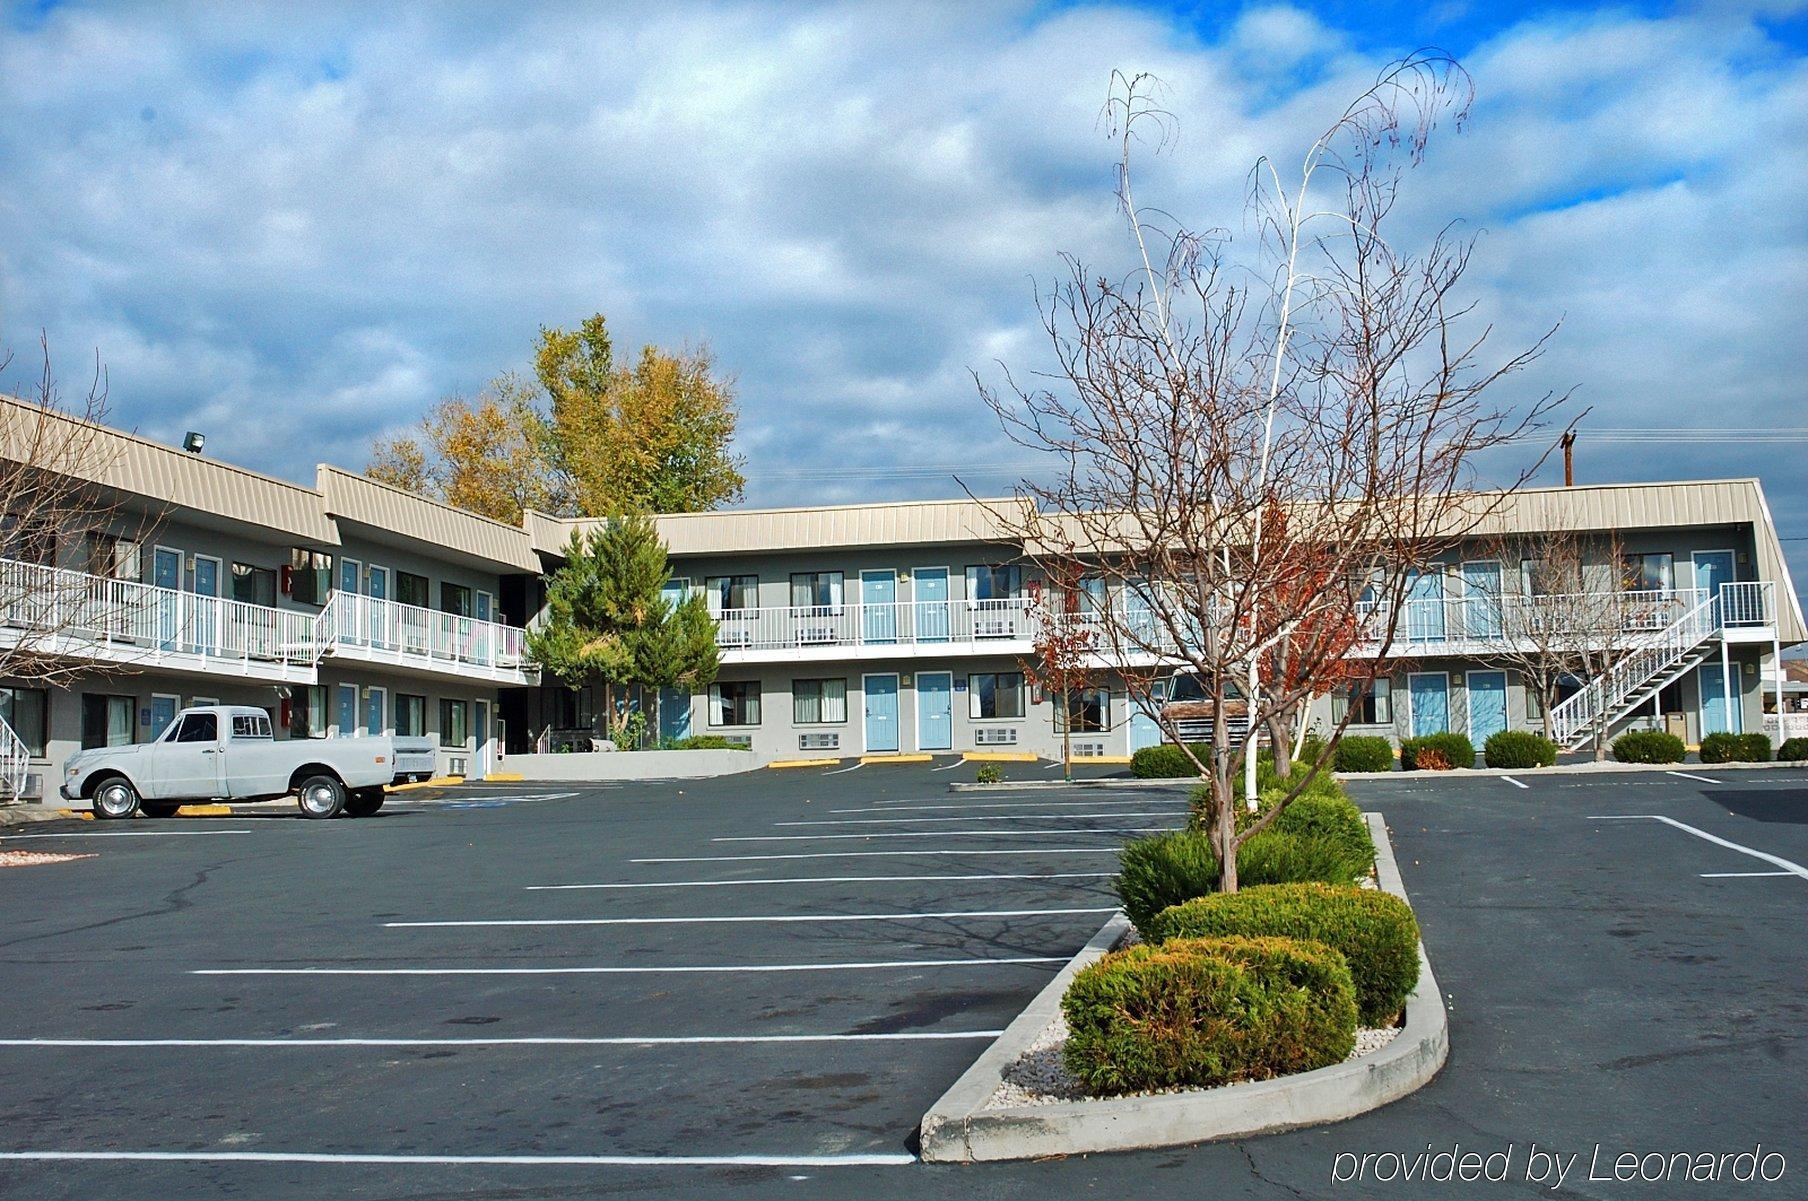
[899, 623]
[15, 765]
[386, 630]
[62, 612]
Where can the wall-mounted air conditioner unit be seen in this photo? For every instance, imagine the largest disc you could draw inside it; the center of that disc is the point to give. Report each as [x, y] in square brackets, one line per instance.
[995, 736]
[821, 741]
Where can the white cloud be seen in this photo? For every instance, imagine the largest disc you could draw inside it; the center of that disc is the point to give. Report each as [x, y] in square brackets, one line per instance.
[299, 231]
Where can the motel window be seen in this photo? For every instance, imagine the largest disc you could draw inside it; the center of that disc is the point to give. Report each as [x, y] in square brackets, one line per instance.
[310, 576]
[995, 695]
[410, 715]
[411, 589]
[307, 712]
[455, 598]
[110, 556]
[1534, 704]
[1088, 711]
[816, 590]
[729, 592]
[454, 725]
[1372, 703]
[252, 584]
[28, 539]
[26, 711]
[994, 583]
[1648, 573]
[734, 704]
[106, 721]
[818, 702]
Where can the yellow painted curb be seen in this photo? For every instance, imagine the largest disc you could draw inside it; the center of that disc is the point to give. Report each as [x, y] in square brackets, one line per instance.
[897, 758]
[435, 782]
[504, 777]
[1101, 758]
[80, 815]
[780, 763]
[204, 811]
[999, 757]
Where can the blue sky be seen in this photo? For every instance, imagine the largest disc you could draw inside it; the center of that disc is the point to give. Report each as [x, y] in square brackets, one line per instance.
[296, 231]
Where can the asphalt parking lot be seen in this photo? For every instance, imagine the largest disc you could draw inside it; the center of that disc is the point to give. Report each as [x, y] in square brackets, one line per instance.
[754, 986]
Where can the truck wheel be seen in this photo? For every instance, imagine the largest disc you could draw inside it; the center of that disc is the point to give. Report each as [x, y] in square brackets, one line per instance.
[320, 797]
[115, 798]
[160, 808]
[364, 802]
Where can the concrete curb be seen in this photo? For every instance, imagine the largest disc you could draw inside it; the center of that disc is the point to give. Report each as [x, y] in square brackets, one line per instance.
[957, 1129]
[1608, 767]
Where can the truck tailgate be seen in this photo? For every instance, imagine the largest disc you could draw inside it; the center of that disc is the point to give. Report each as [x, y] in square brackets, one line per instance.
[415, 757]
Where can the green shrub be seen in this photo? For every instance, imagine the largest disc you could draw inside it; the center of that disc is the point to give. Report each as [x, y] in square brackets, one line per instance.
[1793, 750]
[1197, 1013]
[1364, 752]
[1166, 869]
[1456, 749]
[1375, 931]
[1648, 746]
[1316, 815]
[1167, 762]
[1735, 748]
[699, 742]
[1518, 748]
[989, 773]
[1267, 780]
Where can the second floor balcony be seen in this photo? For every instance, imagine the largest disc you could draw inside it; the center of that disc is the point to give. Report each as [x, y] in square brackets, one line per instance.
[414, 639]
[888, 630]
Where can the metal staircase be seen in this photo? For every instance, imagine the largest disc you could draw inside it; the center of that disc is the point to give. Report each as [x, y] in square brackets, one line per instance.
[15, 765]
[1654, 662]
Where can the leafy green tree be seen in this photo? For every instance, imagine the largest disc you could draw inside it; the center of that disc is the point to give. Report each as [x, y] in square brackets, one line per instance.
[653, 437]
[606, 621]
[488, 456]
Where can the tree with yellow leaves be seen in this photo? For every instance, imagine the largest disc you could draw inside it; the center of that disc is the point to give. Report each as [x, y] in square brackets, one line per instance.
[486, 455]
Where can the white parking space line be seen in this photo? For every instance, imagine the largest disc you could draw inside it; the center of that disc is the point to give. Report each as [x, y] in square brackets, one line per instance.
[940, 834]
[1789, 866]
[1515, 783]
[1683, 775]
[842, 771]
[635, 970]
[741, 917]
[122, 834]
[950, 766]
[1740, 875]
[682, 1040]
[878, 1159]
[876, 855]
[985, 817]
[1046, 804]
[821, 880]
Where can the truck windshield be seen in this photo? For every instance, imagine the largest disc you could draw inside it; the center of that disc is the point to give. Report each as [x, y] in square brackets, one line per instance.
[1189, 688]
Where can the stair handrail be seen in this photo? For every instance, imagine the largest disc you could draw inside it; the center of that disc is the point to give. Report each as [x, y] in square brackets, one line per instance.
[1662, 649]
[15, 765]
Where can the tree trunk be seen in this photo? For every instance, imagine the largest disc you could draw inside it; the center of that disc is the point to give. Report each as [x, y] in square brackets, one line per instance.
[1224, 837]
[1067, 737]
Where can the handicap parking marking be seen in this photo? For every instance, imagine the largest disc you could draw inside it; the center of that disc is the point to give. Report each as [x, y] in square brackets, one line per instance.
[773, 918]
[1790, 867]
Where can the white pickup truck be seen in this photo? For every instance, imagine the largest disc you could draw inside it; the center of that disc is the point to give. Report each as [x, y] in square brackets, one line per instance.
[226, 752]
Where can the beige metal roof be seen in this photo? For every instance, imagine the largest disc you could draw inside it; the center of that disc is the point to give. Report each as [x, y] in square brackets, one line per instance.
[736, 531]
[171, 478]
[380, 507]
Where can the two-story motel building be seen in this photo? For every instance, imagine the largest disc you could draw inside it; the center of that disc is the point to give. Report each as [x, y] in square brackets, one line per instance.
[352, 607]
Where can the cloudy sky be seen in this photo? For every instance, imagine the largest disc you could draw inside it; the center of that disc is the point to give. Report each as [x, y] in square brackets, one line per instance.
[295, 233]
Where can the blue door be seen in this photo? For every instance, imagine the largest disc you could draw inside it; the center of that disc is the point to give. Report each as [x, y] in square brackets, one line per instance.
[163, 711]
[674, 713]
[1487, 706]
[935, 711]
[879, 606]
[1481, 598]
[207, 612]
[1716, 716]
[1429, 693]
[931, 604]
[347, 715]
[373, 711]
[1144, 729]
[881, 712]
[1712, 569]
[166, 572]
[1425, 608]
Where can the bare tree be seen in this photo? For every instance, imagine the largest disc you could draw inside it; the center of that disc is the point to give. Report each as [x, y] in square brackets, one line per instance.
[1063, 658]
[55, 516]
[1259, 455]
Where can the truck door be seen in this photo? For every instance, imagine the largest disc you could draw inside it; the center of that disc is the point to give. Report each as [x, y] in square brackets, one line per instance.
[190, 764]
